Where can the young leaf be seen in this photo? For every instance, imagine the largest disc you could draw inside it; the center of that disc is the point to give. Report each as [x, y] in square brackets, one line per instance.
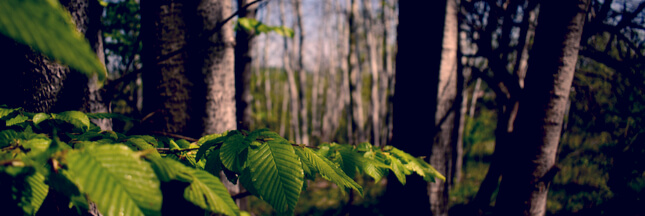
[327, 169]
[116, 179]
[276, 173]
[6, 111]
[17, 120]
[76, 118]
[45, 26]
[40, 117]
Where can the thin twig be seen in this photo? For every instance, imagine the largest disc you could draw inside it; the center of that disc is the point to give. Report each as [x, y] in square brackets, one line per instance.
[241, 195]
[175, 150]
[174, 135]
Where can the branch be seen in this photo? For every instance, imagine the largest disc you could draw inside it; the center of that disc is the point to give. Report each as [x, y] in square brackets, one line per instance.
[168, 150]
[241, 195]
[174, 135]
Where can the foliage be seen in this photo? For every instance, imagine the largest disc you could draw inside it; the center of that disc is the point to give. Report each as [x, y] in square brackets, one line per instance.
[45, 26]
[123, 174]
[253, 25]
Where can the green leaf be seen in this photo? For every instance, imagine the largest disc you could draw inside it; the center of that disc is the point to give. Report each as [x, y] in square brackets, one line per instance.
[116, 179]
[230, 153]
[76, 118]
[207, 142]
[284, 31]
[45, 26]
[398, 169]
[17, 120]
[213, 163]
[166, 171]
[7, 137]
[5, 111]
[327, 169]
[37, 190]
[205, 190]
[40, 117]
[276, 174]
[417, 165]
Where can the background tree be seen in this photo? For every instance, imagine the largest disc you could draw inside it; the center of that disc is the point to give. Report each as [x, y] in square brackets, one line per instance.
[538, 126]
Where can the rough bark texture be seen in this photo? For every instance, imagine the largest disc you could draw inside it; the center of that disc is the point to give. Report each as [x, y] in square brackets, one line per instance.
[243, 45]
[447, 108]
[167, 91]
[39, 84]
[412, 123]
[523, 189]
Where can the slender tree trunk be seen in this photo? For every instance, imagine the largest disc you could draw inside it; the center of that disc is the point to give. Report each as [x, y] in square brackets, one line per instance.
[243, 45]
[447, 108]
[302, 76]
[371, 43]
[355, 114]
[523, 190]
[291, 79]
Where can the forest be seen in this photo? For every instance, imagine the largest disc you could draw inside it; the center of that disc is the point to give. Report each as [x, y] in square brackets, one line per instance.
[322, 107]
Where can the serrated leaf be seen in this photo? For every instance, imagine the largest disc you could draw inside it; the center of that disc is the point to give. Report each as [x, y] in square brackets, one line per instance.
[205, 190]
[37, 190]
[40, 117]
[45, 26]
[327, 169]
[76, 118]
[417, 165]
[276, 174]
[231, 153]
[17, 120]
[398, 169]
[116, 179]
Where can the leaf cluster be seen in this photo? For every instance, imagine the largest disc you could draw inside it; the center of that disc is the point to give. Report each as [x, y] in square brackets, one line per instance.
[64, 153]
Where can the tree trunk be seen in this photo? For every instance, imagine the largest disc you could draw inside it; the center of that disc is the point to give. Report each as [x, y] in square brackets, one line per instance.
[447, 108]
[523, 190]
[415, 75]
[291, 79]
[168, 89]
[302, 76]
[243, 45]
[38, 84]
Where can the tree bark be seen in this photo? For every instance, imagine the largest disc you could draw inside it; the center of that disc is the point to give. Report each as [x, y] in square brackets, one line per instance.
[523, 190]
[447, 108]
[38, 84]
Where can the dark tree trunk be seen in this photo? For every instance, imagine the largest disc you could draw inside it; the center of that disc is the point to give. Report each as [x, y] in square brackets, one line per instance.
[38, 84]
[243, 45]
[415, 75]
[523, 190]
